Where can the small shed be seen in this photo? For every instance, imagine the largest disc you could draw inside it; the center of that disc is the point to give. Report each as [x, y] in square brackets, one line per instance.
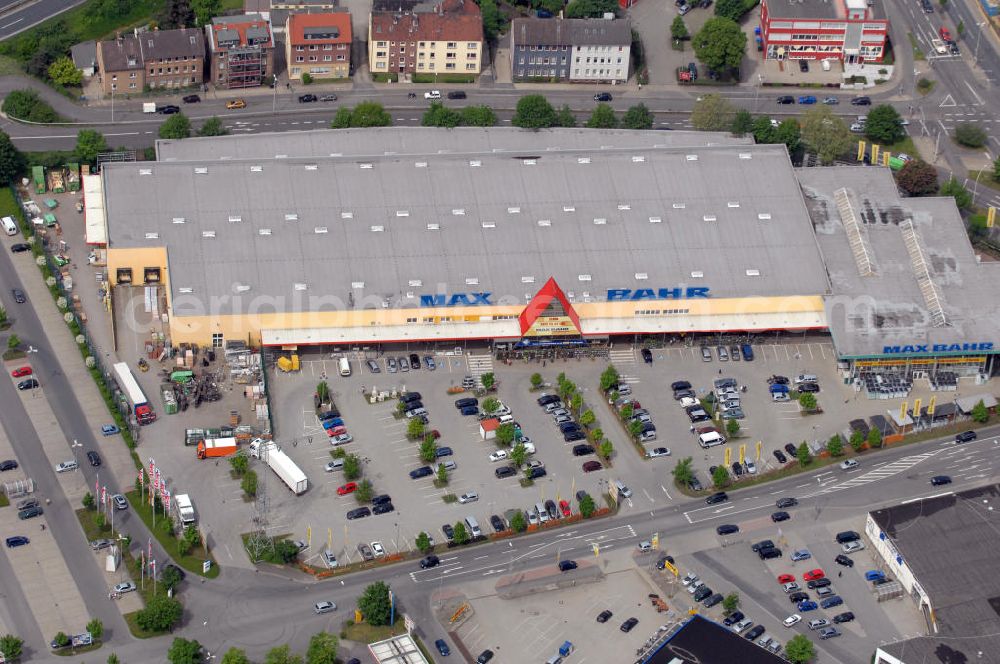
[85, 57]
[966, 404]
[488, 428]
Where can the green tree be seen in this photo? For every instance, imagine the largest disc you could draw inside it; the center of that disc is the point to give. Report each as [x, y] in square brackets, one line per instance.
[803, 454]
[322, 649]
[423, 542]
[713, 113]
[161, 613]
[807, 400]
[489, 380]
[884, 125]
[590, 8]
[980, 413]
[533, 112]
[11, 646]
[113, 659]
[606, 448]
[492, 20]
[518, 455]
[970, 134]
[679, 31]
[428, 450]
[518, 523]
[89, 143]
[917, 178]
[565, 117]
[536, 380]
[28, 105]
[286, 550]
[183, 651]
[415, 428]
[96, 627]
[64, 72]
[365, 114]
[742, 123]
[177, 14]
[352, 467]
[170, 577]
[88, 501]
[597, 434]
[682, 472]
[342, 118]
[240, 464]
[731, 9]
[177, 126]
[307, 78]
[12, 162]
[576, 401]
[856, 440]
[799, 649]
[438, 115]
[442, 474]
[478, 116]
[282, 655]
[587, 418]
[953, 187]
[235, 656]
[61, 639]
[637, 117]
[763, 130]
[205, 10]
[587, 506]
[730, 603]
[365, 492]
[602, 117]
[374, 603]
[732, 428]
[720, 44]
[789, 133]
[609, 378]
[505, 434]
[490, 405]
[626, 411]
[249, 483]
[635, 428]
[461, 535]
[835, 446]
[720, 476]
[825, 134]
[213, 127]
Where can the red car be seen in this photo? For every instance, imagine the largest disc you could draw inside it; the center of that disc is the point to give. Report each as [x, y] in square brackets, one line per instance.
[945, 35]
[591, 466]
[564, 508]
[813, 575]
[786, 578]
[350, 487]
[21, 371]
[336, 431]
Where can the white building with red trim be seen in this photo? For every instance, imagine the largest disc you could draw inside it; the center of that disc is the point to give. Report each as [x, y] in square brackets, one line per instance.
[852, 31]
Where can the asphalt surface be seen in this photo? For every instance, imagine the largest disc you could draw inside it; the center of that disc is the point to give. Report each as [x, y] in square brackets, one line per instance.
[18, 16]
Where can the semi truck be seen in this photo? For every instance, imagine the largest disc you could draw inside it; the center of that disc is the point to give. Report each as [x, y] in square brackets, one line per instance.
[137, 400]
[211, 448]
[183, 509]
[280, 463]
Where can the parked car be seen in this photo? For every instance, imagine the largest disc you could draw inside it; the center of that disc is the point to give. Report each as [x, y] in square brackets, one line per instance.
[17, 540]
[841, 559]
[94, 458]
[433, 94]
[8, 464]
[191, 99]
[236, 103]
[328, 98]
[778, 517]
[861, 101]
[603, 96]
[308, 98]
[965, 437]
[66, 466]
[604, 616]
[18, 295]
[786, 99]
[29, 384]
[807, 99]
[324, 607]
[456, 94]
[169, 109]
[442, 647]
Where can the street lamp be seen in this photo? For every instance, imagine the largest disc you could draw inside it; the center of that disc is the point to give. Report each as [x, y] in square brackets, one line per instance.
[979, 36]
[75, 445]
[274, 99]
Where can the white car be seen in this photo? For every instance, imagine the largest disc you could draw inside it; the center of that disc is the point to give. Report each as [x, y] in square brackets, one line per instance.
[341, 439]
[324, 607]
[119, 501]
[433, 94]
[66, 466]
[851, 547]
[330, 559]
[658, 452]
[790, 587]
[751, 467]
[378, 549]
[499, 455]
[792, 620]
[125, 587]
[689, 579]
[336, 464]
[850, 463]
[469, 497]
[687, 401]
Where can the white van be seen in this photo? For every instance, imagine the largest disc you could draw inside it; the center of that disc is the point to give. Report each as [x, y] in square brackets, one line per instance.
[806, 378]
[9, 226]
[711, 439]
[345, 367]
[506, 419]
[543, 514]
[473, 526]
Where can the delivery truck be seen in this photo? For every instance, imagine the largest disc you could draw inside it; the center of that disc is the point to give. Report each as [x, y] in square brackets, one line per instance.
[280, 463]
[184, 509]
[137, 400]
[212, 448]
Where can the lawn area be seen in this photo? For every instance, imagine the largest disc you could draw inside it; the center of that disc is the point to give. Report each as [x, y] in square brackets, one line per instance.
[4, 500]
[365, 633]
[918, 53]
[191, 562]
[985, 178]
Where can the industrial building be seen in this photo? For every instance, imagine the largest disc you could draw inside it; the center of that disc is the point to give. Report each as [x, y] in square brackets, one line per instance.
[851, 31]
[699, 640]
[568, 237]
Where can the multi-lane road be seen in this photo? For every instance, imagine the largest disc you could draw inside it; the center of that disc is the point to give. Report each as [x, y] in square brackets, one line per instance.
[19, 15]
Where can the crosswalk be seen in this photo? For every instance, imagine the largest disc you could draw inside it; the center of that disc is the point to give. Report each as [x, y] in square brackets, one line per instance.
[479, 364]
[622, 355]
[876, 474]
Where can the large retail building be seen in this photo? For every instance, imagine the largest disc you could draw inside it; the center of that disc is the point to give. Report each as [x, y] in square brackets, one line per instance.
[559, 237]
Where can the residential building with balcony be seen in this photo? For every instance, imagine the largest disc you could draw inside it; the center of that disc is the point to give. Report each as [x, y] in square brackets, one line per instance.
[318, 45]
[447, 38]
[151, 59]
[852, 31]
[589, 50]
[242, 51]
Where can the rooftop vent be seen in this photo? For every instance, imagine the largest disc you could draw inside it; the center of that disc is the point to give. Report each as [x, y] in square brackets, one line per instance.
[680, 206]
[489, 224]
[357, 284]
[421, 164]
[416, 283]
[638, 159]
[513, 210]
[402, 213]
[569, 208]
[529, 162]
[584, 277]
[753, 273]
[319, 230]
[256, 169]
[299, 286]
[691, 157]
[378, 229]
[366, 166]
[472, 281]
[763, 216]
[709, 217]
[600, 222]
[544, 222]
[235, 219]
[241, 288]
[152, 236]
[312, 167]
[641, 275]
[179, 220]
[527, 280]
[733, 204]
[624, 206]
[347, 215]
[185, 289]
[655, 220]
[291, 216]
[433, 227]
[458, 212]
[583, 160]
[145, 171]
[697, 274]
[201, 170]
[208, 234]
[746, 155]
[475, 163]
[263, 231]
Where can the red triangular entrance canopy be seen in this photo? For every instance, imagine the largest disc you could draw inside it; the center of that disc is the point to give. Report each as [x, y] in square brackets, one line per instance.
[549, 313]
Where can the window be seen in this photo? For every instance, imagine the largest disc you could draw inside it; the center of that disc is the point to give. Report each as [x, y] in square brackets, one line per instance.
[299, 58]
[380, 44]
[411, 320]
[450, 65]
[472, 45]
[329, 58]
[299, 49]
[452, 45]
[217, 340]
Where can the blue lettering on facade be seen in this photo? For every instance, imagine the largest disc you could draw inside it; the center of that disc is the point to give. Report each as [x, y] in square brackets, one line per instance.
[678, 293]
[456, 300]
[981, 346]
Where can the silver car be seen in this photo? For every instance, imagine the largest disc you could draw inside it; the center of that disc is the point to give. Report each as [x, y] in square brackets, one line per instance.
[324, 607]
[404, 364]
[390, 364]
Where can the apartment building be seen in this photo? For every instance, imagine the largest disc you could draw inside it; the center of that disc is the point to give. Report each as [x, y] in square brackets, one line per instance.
[444, 38]
[853, 31]
[587, 50]
[151, 59]
[318, 45]
[242, 51]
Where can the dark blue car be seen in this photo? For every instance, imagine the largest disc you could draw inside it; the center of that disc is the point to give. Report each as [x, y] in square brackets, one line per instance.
[807, 99]
[831, 602]
[470, 410]
[442, 647]
[333, 422]
[807, 605]
[443, 452]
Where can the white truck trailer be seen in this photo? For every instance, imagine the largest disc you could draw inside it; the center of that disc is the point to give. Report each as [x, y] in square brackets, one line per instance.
[281, 464]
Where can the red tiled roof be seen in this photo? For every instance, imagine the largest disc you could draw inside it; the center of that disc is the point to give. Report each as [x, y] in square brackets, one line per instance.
[491, 424]
[298, 22]
[457, 20]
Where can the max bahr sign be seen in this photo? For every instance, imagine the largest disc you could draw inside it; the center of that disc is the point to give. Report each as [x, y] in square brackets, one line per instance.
[979, 347]
[614, 295]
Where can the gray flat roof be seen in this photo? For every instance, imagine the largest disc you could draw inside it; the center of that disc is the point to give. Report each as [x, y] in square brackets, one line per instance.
[829, 9]
[888, 307]
[950, 544]
[386, 229]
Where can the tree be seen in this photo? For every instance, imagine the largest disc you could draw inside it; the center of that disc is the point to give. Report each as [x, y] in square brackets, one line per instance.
[282, 655]
[161, 613]
[505, 434]
[478, 116]
[682, 472]
[492, 20]
[720, 476]
[602, 117]
[322, 649]
[807, 401]
[64, 72]
[249, 483]
[789, 133]
[490, 405]
[835, 446]
[856, 440]
[635, 428]
[488, 380]
[576, 401]
[884, 125]
[518, 455]
[415, 428]
[536, 378]
[980, 413]
[287, 551]
[178, 14]
[27, 105]
[61, 639]
[712, 113]
[365, 492]
[205, 10]
[177, 126]
[440, 116]
[590, 8]
[730, 603]
[679, 31]
[423, 542]
[352, 467]
[213, 127]
[587, 506]
[762, 129]
[428, 450]
[626, 411]
[12, 162]
[825, 134]
[365, 114]
[89, 143]
[565, 117]
[113, 659]
[235, 656]
[720, 44]
[803, 454]
[587, 418]
[533, 112]
[918, 178]
[442, 474]
[461, 535]
[96, 627]
[307, 78]
[606, 448]
[732, 428]
[374, 603]
[170, 578]
[342, 118]
[637, 117]
[953, 187]
[183, 651]
[11, 646]
[609, 378]
[88, 501]
[970, 135]
[742, 122]
[13, 342]
[240, 464]
[731, 9]
[799, 648]
[518, 523]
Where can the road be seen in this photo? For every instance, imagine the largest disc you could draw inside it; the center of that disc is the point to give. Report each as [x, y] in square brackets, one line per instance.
[19, 15]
